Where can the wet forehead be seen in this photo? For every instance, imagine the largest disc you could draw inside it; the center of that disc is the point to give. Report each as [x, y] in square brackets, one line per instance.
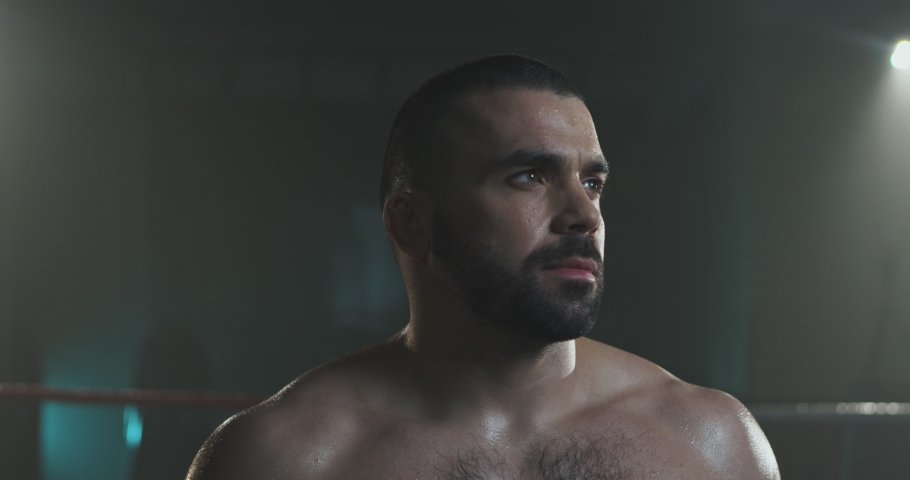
[500, 122]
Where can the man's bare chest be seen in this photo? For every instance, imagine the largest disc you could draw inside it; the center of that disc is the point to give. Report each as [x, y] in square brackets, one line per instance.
[604, 454]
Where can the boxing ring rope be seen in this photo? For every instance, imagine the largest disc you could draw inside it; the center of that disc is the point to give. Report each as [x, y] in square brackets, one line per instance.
[849, 415]
[129, 396]
[200, 399]
[851, 411]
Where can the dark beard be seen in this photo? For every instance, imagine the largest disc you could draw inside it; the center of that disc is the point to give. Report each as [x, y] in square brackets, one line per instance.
[515, 303]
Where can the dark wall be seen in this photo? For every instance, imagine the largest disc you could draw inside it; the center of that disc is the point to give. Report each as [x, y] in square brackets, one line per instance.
[20, 361]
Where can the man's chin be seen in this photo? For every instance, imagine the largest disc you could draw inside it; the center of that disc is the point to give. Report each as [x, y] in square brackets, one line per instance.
[558, 335]
[560, 328]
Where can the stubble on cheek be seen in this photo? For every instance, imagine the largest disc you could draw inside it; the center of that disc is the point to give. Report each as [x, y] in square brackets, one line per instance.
[517, 300]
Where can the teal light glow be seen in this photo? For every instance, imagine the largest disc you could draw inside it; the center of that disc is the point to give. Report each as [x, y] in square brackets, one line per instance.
[78, 442]
[132, 426]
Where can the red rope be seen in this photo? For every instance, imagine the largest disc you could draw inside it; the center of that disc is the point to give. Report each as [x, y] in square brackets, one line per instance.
[131, 396]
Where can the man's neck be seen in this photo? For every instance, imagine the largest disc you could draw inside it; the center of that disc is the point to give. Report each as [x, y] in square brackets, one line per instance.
[468, 367]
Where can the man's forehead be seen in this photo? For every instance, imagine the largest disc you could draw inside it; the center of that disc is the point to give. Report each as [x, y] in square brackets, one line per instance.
[521, 101]
[502, 121]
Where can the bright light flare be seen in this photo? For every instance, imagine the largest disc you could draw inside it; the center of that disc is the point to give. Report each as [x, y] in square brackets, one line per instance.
[901, 57]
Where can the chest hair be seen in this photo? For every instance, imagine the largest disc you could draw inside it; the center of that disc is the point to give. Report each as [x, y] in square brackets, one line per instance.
[572, 457]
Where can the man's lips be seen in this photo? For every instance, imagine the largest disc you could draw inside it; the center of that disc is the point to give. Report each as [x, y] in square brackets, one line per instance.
[574, 263]
[576, 268]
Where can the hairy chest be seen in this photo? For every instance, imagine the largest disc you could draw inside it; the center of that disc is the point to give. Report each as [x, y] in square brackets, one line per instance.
[605, 454]
[570, 457]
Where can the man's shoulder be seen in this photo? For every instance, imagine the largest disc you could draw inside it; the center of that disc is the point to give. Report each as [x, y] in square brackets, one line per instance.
[715, 423]
[722, 430]
[615, 375]
[630, 376]
[300, 430]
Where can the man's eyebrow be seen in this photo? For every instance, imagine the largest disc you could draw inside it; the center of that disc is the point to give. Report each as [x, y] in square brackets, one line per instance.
[545, 158]
[598, 164]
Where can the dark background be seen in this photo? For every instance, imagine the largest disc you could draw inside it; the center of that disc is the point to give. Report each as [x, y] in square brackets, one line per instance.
[198, 181]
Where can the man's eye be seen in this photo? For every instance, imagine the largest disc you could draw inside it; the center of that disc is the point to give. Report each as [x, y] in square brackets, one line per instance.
[595, 184]
[529, 176]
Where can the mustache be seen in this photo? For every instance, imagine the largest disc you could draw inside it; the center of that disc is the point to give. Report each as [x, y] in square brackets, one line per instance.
[568, 246]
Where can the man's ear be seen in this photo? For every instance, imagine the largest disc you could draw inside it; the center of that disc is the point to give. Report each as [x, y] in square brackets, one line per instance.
[405, 225]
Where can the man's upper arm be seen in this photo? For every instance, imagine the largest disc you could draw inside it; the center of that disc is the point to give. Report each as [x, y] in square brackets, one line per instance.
[731, 440]
[759, 450]
[243, 447]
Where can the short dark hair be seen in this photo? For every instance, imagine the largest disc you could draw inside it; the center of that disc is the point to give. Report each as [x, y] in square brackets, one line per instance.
[417, 128]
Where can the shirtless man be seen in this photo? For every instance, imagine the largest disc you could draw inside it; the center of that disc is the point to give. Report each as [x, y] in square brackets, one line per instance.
[491, 199]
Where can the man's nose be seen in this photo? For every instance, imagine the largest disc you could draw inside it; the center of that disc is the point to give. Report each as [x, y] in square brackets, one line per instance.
[578, 213]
